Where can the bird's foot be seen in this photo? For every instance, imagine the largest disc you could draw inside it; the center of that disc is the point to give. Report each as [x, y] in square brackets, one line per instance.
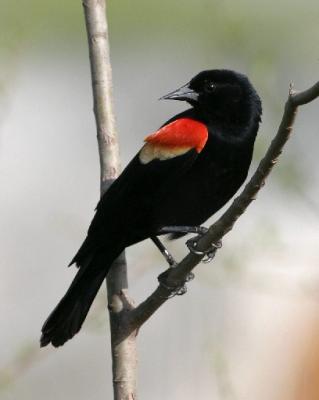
[208, 254]
[174, 290]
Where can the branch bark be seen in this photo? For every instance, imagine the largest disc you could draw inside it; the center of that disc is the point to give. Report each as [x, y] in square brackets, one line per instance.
[124, 359]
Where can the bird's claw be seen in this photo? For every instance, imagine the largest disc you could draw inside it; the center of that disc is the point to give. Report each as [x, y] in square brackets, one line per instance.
[208, 254]
[179, 291]
[190, 276]
[174, 290]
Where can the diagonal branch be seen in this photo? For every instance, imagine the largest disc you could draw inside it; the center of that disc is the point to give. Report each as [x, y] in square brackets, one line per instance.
[177, 276]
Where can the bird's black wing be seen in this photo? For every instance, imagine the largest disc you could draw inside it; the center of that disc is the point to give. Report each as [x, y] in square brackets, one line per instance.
[125, 211]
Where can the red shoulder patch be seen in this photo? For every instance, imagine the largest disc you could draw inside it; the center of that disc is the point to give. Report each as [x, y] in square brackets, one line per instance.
[183, 132]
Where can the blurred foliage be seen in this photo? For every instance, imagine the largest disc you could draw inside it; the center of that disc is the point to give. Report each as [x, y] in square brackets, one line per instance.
[247, 30]
[30, 353]
[26, 357]
[24, 21]
[220, 368]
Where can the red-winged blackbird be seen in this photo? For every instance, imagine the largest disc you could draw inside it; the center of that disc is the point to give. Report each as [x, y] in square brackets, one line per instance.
[183, 174]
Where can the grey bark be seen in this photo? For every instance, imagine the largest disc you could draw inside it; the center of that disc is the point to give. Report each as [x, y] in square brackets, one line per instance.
[124, 359]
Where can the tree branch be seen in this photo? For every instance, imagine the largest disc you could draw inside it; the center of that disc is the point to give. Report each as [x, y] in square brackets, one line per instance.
[123, 351]
[177, 276]
[101, 74]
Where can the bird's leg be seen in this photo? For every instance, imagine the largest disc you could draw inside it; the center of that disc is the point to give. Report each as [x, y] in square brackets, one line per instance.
[178, 290]
[167, 255]
[192, 243]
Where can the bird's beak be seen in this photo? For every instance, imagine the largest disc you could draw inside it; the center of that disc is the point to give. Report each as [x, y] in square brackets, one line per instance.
[183, 93]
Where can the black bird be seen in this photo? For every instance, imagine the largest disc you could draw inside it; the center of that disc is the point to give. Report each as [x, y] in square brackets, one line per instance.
[184, 173]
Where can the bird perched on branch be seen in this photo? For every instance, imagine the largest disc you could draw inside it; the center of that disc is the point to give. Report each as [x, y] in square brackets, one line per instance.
[185, 172]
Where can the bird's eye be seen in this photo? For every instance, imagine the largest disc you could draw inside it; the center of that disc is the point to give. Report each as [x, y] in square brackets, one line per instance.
[210, 87]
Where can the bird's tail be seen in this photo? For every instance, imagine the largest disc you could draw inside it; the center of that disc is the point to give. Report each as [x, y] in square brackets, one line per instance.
[68, 316]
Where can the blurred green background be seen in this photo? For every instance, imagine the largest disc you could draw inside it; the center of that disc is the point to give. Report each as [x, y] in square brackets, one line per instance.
[235, 334]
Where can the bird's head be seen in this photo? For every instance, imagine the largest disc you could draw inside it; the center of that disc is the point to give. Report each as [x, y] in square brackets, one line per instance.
[220, 93]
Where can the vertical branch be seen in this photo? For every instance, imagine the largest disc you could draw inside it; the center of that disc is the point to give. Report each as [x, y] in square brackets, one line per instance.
[123, 350]
[101, 73]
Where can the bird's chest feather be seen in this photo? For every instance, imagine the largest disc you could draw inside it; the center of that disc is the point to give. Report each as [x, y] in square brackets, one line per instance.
[222, 166]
